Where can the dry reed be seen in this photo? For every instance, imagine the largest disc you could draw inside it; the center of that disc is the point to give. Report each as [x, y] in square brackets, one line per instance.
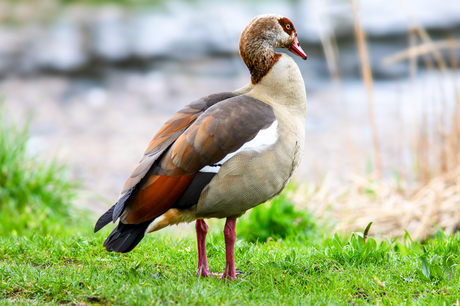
[392, 208]
[432, 200]
[368, 81]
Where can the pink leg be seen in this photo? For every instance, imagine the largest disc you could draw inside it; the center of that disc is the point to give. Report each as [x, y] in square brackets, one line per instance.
[230, 237]
[201, 231]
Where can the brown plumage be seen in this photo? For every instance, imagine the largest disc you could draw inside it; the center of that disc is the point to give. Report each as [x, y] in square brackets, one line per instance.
[223, 154]
[155, 197]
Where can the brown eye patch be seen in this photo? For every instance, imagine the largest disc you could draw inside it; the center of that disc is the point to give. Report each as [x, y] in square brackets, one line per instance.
[287, 25]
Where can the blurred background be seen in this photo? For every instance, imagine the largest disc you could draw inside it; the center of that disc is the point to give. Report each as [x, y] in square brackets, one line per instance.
[98, 78]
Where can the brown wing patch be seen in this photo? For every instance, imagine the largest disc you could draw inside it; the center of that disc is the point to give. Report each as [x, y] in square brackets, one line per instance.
[287, 25]
[156, 196]
[140, 171]
[221, 130]
[177, 124]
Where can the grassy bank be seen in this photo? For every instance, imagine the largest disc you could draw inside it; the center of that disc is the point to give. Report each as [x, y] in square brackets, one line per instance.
[35, 191]
[161, 270]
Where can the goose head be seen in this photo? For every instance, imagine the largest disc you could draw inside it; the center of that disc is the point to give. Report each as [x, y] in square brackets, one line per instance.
[262, 35]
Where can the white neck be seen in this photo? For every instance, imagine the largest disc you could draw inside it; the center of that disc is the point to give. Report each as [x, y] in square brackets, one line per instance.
[283, 85]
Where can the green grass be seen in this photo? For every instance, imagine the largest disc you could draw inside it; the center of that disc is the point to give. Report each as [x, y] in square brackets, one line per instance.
[35, 193]
[161, 270]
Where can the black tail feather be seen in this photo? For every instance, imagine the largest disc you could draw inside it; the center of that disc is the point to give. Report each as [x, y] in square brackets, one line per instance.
[120, 205]
[114, 212]
[125, 237]
[105, 219]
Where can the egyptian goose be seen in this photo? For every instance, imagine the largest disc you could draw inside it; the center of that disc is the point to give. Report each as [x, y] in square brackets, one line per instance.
[222, 154]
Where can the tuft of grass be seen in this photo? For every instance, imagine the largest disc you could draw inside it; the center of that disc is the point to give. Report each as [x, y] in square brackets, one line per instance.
[358, 249]
[277, 219]
[438, 259]
[436, 268]
[35, 194]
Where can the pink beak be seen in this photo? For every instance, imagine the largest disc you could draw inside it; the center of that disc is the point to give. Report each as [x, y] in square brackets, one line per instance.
[297, 49]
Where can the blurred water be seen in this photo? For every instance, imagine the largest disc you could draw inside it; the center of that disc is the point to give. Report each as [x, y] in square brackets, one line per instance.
[77, 37]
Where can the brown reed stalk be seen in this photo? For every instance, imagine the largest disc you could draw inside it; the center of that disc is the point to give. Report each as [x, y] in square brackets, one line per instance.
[368, 81]
[425, 48]
[328, 41]
[444, 150]
[423, 152]
[415, 105]
[455, 129]
[426, 38]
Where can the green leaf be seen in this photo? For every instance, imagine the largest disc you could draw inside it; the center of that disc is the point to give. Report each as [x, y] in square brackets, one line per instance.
[434, 259]
[422, 275]
[425, 267]
[336, 242]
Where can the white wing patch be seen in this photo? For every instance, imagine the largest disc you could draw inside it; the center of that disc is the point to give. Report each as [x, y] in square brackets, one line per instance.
[263, 139]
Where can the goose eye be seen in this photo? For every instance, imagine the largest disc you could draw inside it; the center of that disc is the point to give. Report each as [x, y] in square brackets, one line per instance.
[288, 27]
